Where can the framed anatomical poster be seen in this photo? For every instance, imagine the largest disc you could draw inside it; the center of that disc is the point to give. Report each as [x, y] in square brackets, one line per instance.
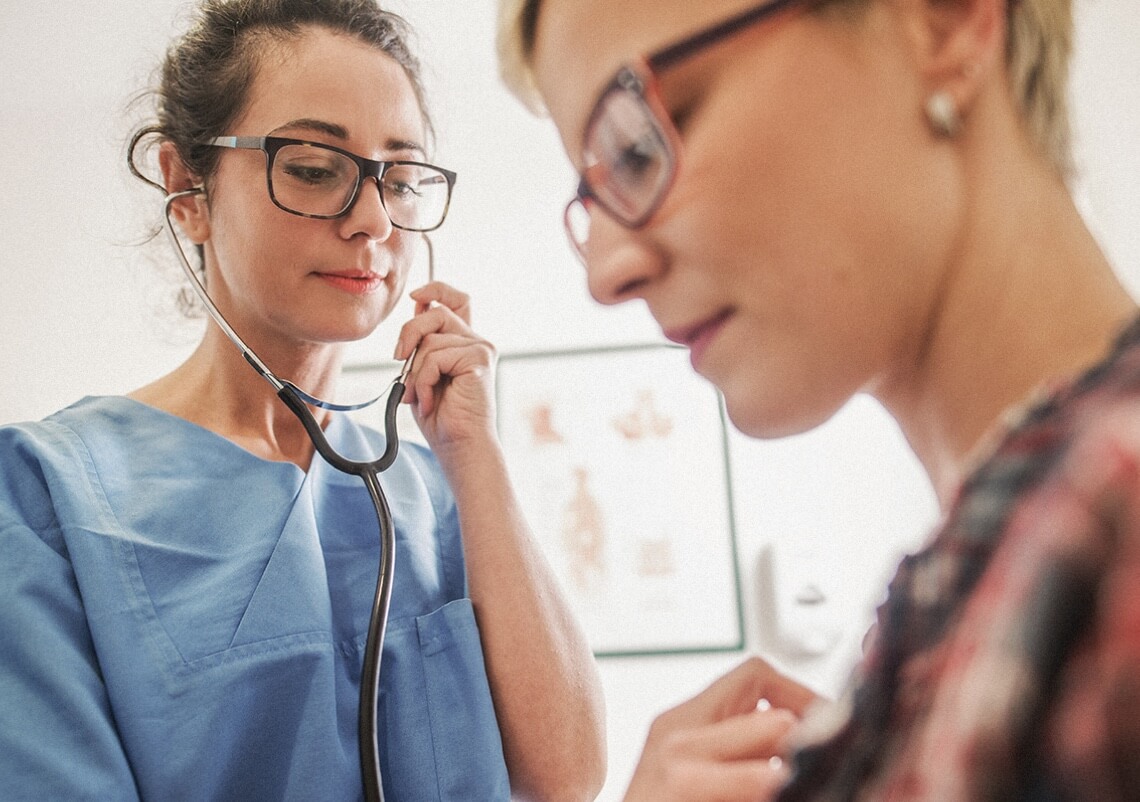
[620, 459]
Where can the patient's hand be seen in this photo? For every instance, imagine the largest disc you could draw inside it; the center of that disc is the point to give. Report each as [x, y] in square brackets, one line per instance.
[724, 743]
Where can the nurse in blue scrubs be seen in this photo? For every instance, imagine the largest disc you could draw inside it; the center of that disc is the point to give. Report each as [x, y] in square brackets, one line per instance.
[184, 588]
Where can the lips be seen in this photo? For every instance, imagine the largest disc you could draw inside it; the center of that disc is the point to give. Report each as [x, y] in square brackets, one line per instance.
[698, 336]
[354, 283]
[687, 335]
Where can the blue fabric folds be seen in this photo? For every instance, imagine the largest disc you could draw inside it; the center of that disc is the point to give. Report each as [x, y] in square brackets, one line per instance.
[180, 619]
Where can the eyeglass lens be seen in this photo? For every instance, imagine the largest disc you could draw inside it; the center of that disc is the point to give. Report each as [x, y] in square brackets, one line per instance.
[628, 162]
[317, 181]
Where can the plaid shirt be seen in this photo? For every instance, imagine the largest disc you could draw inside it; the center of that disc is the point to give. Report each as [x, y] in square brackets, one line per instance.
[1006, 659]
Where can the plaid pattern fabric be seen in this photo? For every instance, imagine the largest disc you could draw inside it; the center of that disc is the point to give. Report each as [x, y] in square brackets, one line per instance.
[1006, 659]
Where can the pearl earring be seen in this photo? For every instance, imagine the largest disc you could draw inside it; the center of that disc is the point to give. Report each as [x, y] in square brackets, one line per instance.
[942, 113]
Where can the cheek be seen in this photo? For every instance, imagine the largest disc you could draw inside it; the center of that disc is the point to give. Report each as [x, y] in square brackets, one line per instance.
[248, 238]
[409, 254]
[829, 177]
[257, 256]
[408, 265]
[239, 215]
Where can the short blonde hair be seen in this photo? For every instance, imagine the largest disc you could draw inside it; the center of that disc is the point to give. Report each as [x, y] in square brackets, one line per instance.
[1038, 49]
[1038, 53]
[515, 44]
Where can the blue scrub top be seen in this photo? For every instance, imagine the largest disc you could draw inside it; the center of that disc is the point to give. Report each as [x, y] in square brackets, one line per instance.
[180, 619]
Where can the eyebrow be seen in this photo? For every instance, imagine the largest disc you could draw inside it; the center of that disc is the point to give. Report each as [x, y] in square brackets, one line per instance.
[340, 132]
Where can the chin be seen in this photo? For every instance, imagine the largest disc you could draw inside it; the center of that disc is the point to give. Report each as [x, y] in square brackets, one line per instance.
[347, 328]
[766, 417]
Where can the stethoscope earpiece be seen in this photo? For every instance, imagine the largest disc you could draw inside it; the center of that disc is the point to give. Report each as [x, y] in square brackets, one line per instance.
[298, 401]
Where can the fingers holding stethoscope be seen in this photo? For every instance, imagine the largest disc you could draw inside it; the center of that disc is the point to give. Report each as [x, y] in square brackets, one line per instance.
[438, 293]
[450, 382]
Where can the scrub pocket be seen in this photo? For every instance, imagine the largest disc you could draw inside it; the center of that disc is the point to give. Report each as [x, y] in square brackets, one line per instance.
[440, 739]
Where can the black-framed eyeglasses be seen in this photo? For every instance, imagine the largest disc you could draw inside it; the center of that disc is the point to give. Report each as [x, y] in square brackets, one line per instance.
[630, 146]
[311, 179]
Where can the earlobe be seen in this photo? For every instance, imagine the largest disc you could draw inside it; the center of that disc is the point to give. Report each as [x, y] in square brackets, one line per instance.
[960, 43]
[192, 212]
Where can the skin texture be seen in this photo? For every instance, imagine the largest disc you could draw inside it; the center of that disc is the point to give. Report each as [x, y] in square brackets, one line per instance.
[825, 240]
[720, 744]
[856, 249]
[268, 271]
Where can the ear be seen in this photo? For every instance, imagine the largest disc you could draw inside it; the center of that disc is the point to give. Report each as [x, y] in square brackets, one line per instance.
[192, 213]
[958, 45]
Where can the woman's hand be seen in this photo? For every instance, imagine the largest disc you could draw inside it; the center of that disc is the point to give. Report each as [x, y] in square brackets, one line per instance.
[721, 743]
[543, 679]
[451, 383]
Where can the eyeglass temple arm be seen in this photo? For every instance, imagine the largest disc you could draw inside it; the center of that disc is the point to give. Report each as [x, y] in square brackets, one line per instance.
[677, 52]
[262, 369]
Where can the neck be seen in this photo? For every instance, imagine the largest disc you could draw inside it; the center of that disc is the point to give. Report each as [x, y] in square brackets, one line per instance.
[217, 389]
[1029, 298]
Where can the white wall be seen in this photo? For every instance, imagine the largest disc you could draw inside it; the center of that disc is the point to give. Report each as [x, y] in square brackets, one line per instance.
[83, 310]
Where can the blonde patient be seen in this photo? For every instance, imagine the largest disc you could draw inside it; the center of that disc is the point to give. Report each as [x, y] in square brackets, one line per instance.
[821, 199]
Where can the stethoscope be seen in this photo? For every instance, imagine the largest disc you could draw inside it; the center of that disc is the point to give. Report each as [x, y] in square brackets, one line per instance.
[298, 400]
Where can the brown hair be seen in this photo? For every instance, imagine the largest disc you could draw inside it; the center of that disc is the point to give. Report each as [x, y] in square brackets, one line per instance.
[208, 71]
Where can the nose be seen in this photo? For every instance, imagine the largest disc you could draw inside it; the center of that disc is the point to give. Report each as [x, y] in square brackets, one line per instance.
[367, 214]
[619, 263]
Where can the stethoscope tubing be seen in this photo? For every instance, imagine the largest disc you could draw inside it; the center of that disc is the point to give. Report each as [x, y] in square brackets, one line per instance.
[377, 627]
[369, 471]
[382, 598]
